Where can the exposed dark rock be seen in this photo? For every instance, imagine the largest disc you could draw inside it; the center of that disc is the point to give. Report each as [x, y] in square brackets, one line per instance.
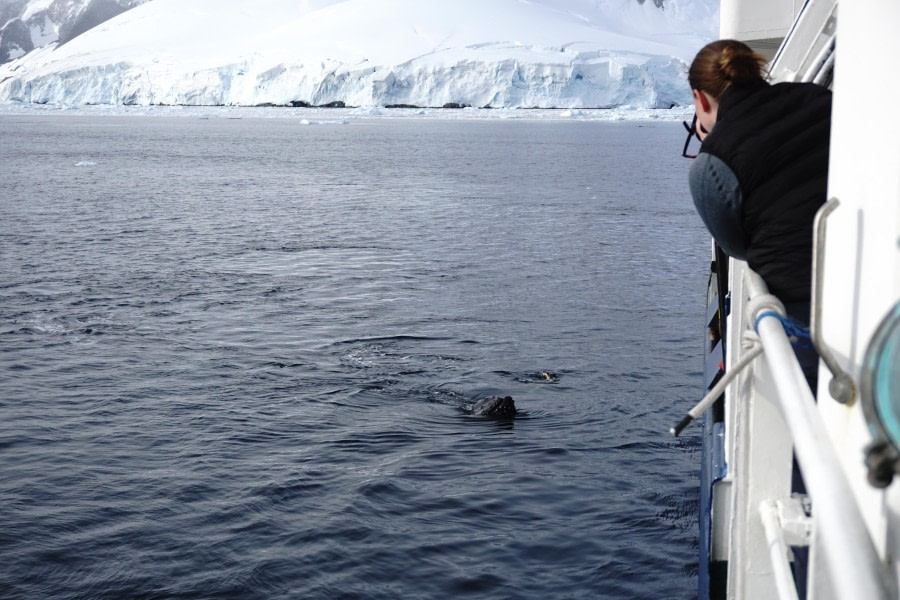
[96, 13]
[305, 104]
[11, 9]
[15, 39]
[401, 106]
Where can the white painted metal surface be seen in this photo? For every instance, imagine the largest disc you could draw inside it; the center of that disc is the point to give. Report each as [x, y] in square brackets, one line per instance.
[757, 19]
[856, 539]
[862, 267]
[758, 449]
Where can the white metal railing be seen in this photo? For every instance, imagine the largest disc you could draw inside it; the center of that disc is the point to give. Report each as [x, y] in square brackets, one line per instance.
[851, 561]
[778, 551]
[822, 65]
[841, 386]
[808, 49]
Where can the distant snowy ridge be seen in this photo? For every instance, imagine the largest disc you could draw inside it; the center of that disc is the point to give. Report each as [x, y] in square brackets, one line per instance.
[500, 53]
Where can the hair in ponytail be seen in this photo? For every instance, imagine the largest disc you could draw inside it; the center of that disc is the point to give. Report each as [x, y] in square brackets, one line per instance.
[724, 63]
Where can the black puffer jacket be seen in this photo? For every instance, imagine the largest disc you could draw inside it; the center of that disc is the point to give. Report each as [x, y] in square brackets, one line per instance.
[775, 140]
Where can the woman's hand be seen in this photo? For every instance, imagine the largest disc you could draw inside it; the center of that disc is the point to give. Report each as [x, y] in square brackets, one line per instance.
[701, 131]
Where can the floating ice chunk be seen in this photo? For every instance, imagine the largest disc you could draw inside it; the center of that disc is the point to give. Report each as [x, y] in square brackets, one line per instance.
[85, 163]
[372, 111]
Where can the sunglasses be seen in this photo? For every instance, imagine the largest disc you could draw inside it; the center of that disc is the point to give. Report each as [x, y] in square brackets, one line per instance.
[692, 133]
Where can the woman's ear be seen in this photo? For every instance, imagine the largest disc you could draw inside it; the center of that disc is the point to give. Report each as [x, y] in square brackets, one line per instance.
[701, 99]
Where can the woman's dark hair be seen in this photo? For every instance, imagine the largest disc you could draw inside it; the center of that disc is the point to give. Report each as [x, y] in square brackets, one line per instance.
[724, 63]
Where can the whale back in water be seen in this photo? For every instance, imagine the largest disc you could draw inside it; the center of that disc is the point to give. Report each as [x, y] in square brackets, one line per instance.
[495, 406]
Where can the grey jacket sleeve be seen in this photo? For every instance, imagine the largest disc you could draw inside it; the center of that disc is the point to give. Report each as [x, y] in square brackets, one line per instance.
[717, 196]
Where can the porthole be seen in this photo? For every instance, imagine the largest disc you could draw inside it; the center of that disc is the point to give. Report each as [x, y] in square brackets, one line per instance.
[880, 398]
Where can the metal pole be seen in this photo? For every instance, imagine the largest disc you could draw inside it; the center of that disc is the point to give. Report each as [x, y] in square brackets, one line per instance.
[821, 59]
[841, 386]
[717, 390]
[778, 551]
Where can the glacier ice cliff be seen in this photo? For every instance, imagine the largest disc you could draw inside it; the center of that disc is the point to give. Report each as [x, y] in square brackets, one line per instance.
[522, 79]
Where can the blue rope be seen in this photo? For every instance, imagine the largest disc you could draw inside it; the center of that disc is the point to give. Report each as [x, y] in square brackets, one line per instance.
[798, 335]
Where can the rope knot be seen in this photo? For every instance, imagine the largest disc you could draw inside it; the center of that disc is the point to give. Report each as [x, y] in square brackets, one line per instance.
[750, 340]
[756, 307]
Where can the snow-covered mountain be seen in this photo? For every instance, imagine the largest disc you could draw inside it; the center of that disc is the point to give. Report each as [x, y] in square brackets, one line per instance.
[509, 53]
[29, 24]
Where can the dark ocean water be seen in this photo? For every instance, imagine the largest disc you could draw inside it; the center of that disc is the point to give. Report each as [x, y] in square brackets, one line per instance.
[235, 356]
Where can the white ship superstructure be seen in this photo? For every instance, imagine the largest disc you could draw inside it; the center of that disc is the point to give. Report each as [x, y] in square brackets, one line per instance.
[846, 437]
